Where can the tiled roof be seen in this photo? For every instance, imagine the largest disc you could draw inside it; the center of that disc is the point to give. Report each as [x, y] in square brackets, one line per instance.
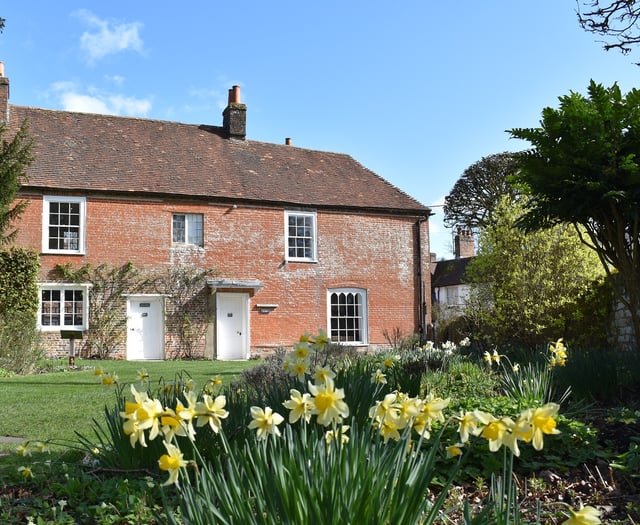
[101, 153]
[450, 272]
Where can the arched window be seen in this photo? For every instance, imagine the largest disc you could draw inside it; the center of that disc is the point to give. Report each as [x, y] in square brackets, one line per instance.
[347, 312]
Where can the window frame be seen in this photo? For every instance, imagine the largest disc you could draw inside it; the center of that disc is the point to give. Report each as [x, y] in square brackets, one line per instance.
[314, 235]
[47, 200]
[186, 242]
[61, 287]
[364, 318]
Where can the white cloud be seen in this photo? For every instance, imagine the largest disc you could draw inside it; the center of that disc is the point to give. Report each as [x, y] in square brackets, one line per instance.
[72, 98]
[105, 38]
[118, 80]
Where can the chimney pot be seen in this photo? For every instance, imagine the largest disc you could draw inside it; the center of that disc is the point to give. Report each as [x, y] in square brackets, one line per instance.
[1, 69]
[234, 95]
[234, 117]
[287, 141]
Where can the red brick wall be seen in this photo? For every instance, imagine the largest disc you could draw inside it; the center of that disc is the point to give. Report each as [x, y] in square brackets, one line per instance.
[376, 253]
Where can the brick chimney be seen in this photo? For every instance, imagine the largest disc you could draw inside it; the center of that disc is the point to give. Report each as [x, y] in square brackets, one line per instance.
[463, 244]
[4, 95]
[234, 117]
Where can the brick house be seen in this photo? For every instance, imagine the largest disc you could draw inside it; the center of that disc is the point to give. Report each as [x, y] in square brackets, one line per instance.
[297, 239]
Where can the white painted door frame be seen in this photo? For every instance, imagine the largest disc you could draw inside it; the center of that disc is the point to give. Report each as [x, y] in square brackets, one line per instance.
[232, 326]
[145, 327]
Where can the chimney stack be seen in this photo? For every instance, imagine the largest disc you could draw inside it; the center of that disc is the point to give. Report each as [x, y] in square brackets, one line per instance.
[4, 96]
[234, 117]
[463, 244]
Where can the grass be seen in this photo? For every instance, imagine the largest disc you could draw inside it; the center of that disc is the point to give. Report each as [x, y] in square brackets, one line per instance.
[54, 405]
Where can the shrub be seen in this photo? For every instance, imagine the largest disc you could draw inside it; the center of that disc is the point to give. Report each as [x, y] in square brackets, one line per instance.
[20, 342]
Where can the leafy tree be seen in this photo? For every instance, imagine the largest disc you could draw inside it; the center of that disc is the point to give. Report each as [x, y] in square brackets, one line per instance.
[476, 193]
[584, 170]
[615, 19]
[528, 288]
[15, 157]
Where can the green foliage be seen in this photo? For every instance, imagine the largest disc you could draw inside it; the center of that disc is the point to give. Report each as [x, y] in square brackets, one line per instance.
[471, 201]
[20, 342]
[19, 269]
[312, 482]
[583, 168]
[15, 158]
[526, 288]
[107, 315]
[20, 346]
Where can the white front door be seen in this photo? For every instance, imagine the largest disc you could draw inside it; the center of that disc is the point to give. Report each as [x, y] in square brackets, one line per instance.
[232, 326]
[145, 328]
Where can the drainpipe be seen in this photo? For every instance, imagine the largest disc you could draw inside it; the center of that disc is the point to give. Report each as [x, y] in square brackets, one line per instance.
[421, 293]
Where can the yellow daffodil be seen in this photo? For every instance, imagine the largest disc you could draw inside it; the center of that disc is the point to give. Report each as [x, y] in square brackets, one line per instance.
[189, 385]
[321, 373]
[321, 339]
[25, 472]
[385, 407]
[299, 368]
[407, 407]
[188, 413]
[23, 449]
[467, 425]
[109, 379]
[329, 405]
[301, 350]
[334, 434]
[388, 362]
[211, 411]
[41, 447]
[172, 425]
[265, 422]
[98, 371]
[487, 358]
[300, 406]
[453, 451]
[216, 380]
[378, 377]
[172, 462]
[515, 368]
[389, 428]
[143, 375]
[534, 423]
[585, 516]
[430, 410]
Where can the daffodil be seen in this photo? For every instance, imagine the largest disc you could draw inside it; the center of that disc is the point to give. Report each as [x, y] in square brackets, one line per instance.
[389, 428]
[109, 379]
[430, 411]
[300, 406]
[467, 425]
[386, 407]
[216, 380]
[332, 435]
[487, 358]
[329, 405]
[321, 339]
[534, 423]
[98, 371]
[25, 472]
[378, 377]
[299, 368]
[454, 450]
[301, 350]
[143, 375]
[172, 462]
[172, 425]
[388, 362]
[321, 373]
[23, 449]
[41, 447]
[211, 411]
[585, 516]
[265, 422]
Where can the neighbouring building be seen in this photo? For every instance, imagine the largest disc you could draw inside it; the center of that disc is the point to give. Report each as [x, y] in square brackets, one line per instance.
[450, 291]
[292, 240]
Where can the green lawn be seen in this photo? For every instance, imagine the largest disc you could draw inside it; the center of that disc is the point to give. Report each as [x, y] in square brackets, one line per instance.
[46, 406]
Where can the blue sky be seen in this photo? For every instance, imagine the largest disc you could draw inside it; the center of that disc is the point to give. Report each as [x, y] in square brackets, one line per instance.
[415, 90]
